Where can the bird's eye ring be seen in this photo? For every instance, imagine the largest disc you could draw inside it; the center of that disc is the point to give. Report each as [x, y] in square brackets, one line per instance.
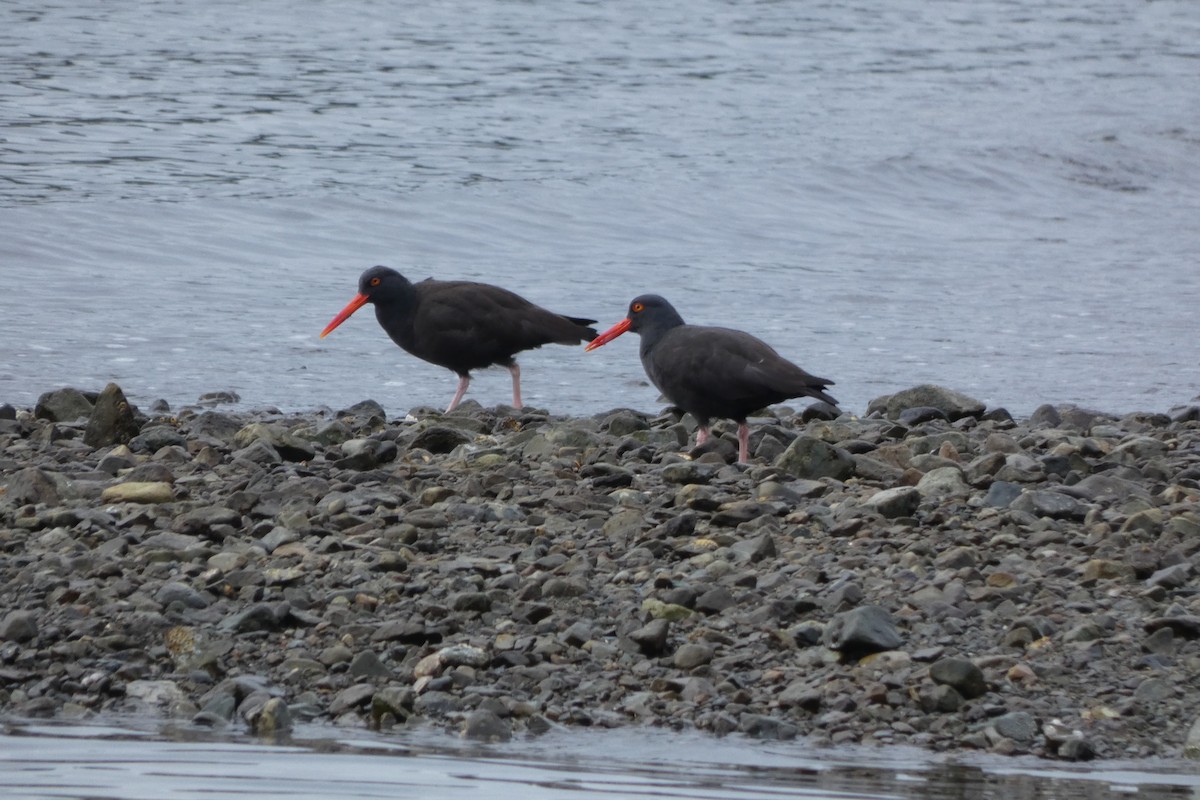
[376, 281]
[638, 308]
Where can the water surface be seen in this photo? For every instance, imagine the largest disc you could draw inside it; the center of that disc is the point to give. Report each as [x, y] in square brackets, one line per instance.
[997, 195]
[129, 762]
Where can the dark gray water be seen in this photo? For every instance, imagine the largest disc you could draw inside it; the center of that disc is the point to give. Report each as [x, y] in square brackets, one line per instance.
[996, 195]
[124, 763]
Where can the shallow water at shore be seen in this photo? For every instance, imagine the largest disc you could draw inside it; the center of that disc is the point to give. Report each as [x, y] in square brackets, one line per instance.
[127, 761]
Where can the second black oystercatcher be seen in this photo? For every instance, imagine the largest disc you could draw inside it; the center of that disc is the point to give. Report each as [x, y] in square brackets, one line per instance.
[712, 372]
[461, 325]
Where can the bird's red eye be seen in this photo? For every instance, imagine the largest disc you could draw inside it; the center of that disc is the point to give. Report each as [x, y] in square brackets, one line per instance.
[376, 281]
[637, 308]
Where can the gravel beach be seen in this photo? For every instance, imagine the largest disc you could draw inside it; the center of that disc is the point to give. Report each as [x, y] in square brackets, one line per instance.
[928, 572]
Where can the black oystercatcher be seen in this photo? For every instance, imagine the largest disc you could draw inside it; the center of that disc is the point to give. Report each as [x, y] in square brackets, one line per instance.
[461, 325]
[711, 372]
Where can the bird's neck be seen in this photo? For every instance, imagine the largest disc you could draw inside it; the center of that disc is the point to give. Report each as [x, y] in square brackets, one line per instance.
[396, 310]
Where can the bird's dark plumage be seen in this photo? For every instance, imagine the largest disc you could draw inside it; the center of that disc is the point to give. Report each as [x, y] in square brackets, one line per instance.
[712, 372]
[461, 325]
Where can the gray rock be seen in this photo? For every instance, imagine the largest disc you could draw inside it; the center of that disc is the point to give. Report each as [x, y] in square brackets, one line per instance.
[1076, 749]
[735, 513]
[961, 674]
[942, 482]
[810, 458]
[1001, 494]
[113, 420]
[486, 726]
[210, 522]
[715, 600]
[954, 405]
[31, 485]
[861, 631]
[439, 439]
[471, 601]
[762, 726]
[901, 501]
[685, 472]
[175, 592]
[1153, 691]
[1175, 576]
[367, 410]
[63, 405]
[1020, 468]
[354, 697]
[919, 414]
[942, 699]
[368, 665]
[624, 423]
[289, 446]
[153, 438]
[1045, 503]
[392, 703]
[19, 627]
[257, 617]
[651, 638]
[956, 558]
[1019, 726]
[692, 655]
[1045, 416]
[564, 587]
[272, 718]
[1095, 488]
[757, 549]
[1161, 642]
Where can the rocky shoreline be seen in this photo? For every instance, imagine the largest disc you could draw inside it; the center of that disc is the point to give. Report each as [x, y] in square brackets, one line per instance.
[930, 573]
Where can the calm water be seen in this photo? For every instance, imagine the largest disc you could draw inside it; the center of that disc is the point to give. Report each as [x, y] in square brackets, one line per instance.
[125, 763]
[996, 195]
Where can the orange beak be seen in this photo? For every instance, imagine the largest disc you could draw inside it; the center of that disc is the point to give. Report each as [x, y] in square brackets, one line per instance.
[609, 335]
[354, 305]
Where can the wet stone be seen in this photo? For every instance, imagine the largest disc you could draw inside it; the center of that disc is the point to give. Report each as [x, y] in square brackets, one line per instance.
[1001, 494]
[689, 656]
[486, 726]
[18, 626]
[112, 420]
[367, 664]
[63, 405]
[901, 501]
[864, 630]
[715, 600]
[1019, 726]
[961, 675]
[1049, 504]
[31, 485]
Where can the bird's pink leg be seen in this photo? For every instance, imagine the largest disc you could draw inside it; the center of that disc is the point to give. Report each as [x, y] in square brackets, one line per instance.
[463, 382]
[515, 369]
[701, 435]
[743, 442]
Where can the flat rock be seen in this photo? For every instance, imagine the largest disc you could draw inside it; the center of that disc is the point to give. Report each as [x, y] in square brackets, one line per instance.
[863, 630]
[138, 492]
[955, 405]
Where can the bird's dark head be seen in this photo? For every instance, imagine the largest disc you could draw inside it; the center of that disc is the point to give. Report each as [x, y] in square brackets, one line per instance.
[652, 311]
[648, 313]
[376, 285]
